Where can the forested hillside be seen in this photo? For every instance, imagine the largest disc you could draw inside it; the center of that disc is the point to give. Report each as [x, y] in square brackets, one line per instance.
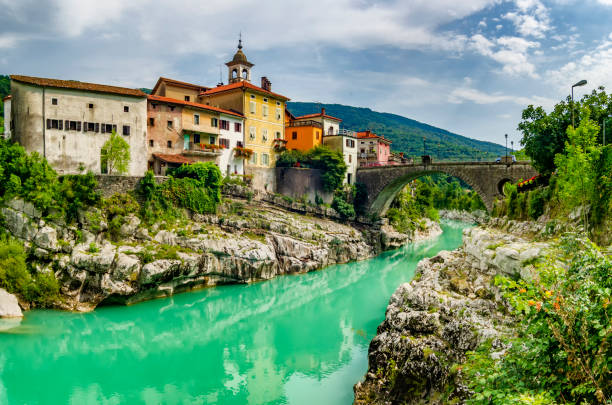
[407, 134]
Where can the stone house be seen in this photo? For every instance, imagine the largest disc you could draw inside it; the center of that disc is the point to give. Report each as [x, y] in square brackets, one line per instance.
[374, 150]
[68, 122]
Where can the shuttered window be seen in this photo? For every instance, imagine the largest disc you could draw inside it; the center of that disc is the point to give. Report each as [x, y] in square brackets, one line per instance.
[126, 130]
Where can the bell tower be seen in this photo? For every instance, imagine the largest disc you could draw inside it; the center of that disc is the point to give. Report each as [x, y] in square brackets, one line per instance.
[239, 68]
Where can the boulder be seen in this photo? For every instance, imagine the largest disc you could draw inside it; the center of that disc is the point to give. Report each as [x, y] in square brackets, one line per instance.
[46, 238]
[9, 306]
[130, 225]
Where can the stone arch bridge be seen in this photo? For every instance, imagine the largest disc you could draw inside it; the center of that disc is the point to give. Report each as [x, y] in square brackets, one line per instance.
[383, 183]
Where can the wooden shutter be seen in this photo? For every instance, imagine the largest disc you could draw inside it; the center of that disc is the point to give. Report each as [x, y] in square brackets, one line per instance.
[79, 126]
[115, 128]
[85, 126]
[67, 125]
[97, 127]
[48, 123]
[60, 124]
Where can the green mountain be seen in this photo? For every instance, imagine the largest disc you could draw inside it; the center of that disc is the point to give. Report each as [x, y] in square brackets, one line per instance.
[406, 134]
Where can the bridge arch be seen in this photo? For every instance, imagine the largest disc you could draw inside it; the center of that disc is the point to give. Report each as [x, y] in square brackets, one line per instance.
[383, 183]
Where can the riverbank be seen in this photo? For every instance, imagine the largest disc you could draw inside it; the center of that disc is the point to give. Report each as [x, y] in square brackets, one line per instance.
[246, 241]
[450, 307]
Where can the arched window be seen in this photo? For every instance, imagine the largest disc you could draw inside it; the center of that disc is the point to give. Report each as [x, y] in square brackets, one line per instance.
[245, 74]
[234, 73]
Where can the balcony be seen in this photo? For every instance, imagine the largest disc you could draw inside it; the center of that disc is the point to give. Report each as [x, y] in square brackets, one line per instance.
[279, 145]
[202, 149]
[341, 132]
[307, 123]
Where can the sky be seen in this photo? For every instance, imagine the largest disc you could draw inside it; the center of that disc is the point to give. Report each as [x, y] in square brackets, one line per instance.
[468, 66]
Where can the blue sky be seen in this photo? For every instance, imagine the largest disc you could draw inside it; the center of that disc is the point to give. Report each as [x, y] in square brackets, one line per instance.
[468, 66]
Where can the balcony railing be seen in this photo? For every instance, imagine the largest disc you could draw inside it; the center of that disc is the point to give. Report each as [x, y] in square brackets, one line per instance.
[202, 149]
[341, 132]
[307, 123]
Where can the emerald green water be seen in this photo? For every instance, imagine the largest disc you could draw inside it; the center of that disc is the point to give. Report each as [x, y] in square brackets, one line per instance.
[299, 339]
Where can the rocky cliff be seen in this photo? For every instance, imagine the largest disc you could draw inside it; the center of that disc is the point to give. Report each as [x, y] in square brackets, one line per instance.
[244, 242]
[449, 308]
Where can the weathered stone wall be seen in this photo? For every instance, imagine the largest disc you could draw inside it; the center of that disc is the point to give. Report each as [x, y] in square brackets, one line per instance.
[264, 179]
[486, 178]
[109, 185]
[298, 182]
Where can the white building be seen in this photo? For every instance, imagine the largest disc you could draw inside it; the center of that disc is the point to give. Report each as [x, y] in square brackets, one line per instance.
[231, 135]
[7, 116]
[68, 122]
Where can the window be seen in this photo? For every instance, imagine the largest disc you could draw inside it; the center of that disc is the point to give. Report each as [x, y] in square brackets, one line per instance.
[278, 114]
[350, 158]
[126, 130]
[350, 143]
[52, 124]
[126, 108]
[225, 125]
[97, 127]
[169, 124]
[54, 101]
[73, 125]
[265, 110]
[278, 103]
[153, 105]
[151, 143]
[253, 160]
[152, 122]
[264, 135]
[253, 107]
[317, 133]
[212, 140]
[278, 135]
[91, 126]
[265, 159]
[108, 128]
[265, 99]
[294, 135]
[169, 144]
[196, 138]
[253, 96]
[187, 98]
[90, 105]
[196, 119]
[214, 122]
[224, 142]
[252, 133]
[171, 108]
[237, 127]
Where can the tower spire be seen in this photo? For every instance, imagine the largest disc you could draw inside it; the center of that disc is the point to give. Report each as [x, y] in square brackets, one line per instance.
[240, 40]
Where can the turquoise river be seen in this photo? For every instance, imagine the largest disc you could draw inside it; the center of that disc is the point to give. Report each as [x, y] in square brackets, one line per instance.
[300, 339]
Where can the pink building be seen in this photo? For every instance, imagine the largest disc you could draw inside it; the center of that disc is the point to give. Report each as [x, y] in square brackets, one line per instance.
[373, 150]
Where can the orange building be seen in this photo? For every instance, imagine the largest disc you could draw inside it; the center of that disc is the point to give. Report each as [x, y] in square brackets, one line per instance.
[302, 134]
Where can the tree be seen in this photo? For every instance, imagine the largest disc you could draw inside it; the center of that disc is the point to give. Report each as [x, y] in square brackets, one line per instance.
[115, 154]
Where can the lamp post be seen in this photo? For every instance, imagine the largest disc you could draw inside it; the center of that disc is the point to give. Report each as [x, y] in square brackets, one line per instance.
[511, 147]
[580, 83]
[506, 136]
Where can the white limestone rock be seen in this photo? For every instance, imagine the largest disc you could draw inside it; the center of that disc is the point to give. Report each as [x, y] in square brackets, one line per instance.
[9, 306]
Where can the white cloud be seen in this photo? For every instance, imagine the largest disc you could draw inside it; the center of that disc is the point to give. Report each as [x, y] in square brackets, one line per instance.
[510, 52]
[463, 94]
[530, 19]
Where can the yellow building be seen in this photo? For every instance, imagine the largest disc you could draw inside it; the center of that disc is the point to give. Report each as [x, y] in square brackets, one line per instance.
[263, 110]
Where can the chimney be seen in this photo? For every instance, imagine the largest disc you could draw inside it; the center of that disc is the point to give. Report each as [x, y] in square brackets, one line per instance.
[266, 84]
[322, 110]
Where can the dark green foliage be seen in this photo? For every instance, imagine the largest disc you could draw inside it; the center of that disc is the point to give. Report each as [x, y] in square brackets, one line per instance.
[331, 163]
[116, 208]
[537, 202]
[361, 197]
[406, 134]
[77, 192]
[5, 90]
[601, 199]
[41, 289]
[342, 207]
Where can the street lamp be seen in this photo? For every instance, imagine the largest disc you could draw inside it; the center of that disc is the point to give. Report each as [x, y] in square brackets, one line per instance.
[506, 147]
[511, 147]
[604, 131]
[580, 83]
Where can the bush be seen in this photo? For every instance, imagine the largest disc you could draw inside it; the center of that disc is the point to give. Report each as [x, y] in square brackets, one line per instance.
[537, 202]
[76, 192]
[342, 207]
[331, 163]
[42, 289]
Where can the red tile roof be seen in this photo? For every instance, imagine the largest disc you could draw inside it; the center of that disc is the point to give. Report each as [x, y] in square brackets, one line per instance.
[76, 85]
[371, 135]
[179, 84]
[242, 85]
[318, 115]
[192, 104]
[180, 159]
[7, 98]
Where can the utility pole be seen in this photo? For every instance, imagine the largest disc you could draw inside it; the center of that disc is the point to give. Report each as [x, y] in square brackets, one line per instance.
[506, 136]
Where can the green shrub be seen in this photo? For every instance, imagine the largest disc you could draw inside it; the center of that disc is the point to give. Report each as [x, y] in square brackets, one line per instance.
[342, 207]
[77, 192]
[331, 163]
[537, 203]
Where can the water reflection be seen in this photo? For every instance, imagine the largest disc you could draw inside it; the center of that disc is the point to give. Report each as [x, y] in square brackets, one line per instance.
[295, 339]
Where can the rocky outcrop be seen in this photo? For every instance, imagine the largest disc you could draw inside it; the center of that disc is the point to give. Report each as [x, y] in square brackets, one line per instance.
[476, 217]
[9, 306]
[449, 308]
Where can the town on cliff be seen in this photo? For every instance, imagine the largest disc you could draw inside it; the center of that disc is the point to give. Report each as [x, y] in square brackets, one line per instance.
[239, 126]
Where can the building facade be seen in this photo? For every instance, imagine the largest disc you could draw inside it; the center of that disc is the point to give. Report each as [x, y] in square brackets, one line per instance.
[262, 109]
[301, 134]
[6, 102]
[374, 150]
[345, 142]
[68, 122]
